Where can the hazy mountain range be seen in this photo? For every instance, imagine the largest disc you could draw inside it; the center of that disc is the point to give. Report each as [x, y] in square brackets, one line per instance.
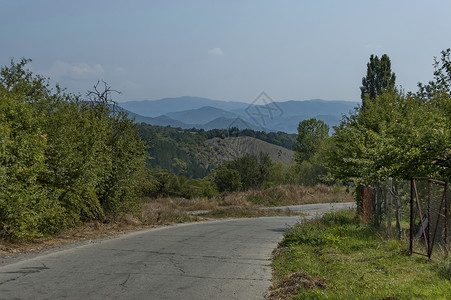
[189, 112]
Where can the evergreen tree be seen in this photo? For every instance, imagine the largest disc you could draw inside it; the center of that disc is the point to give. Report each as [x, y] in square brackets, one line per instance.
[379, 78]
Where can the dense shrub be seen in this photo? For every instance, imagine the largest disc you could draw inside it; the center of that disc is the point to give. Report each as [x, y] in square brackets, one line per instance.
[163, 183]
[227, 180]
[243, 173]
[62, 160]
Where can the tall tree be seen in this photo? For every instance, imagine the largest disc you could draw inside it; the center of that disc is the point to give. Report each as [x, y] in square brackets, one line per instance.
[311, 134]
[397, 135]
[379, 78]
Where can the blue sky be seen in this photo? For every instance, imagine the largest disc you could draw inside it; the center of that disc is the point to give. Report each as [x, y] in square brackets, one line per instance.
[225, 50]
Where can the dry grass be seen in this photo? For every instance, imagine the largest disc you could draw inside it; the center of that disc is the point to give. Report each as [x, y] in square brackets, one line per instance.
[165, 211]
[290, 285]
[293, 195]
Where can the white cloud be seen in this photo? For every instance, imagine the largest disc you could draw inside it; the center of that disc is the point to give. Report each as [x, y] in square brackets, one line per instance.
[216, 52]
[60, 69]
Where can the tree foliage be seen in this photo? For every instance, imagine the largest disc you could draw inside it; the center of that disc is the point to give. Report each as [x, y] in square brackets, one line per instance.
[62, 160]
[227, 180]
[397, 135]
[311, 135]
[379, 78]
[312, 139]
[246, 172]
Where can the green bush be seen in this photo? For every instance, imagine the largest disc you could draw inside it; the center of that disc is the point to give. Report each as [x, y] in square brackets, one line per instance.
[198, 188]
[26, 207]
[227, 180]
[62, 160]
[249, 171]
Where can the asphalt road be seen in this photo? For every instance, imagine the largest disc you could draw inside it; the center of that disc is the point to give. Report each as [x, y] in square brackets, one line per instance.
[213, 260]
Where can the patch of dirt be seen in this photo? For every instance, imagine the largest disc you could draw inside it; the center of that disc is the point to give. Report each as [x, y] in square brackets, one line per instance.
[289, 287]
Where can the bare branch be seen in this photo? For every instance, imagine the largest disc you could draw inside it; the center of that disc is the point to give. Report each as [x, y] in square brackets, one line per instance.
[102, 97]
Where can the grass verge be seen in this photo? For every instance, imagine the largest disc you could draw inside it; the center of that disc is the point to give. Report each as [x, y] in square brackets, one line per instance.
[336, 257]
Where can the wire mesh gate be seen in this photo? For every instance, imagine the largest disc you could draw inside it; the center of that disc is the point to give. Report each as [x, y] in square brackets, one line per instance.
[429, 215]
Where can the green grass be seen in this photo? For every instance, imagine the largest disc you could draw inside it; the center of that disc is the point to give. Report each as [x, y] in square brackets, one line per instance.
[355, 263]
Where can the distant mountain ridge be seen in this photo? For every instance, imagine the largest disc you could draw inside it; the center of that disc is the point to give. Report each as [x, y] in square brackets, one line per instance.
[203, 113]
[155, 108]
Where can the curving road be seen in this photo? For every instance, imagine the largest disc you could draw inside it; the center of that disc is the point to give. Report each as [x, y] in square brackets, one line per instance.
[213, 260]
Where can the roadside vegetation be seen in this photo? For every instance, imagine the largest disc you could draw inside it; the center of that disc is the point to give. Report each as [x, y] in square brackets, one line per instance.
[63, 160]
[393, 134]
[336, 257]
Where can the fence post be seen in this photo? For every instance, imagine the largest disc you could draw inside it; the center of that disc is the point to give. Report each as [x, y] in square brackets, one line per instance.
[398, 209]
[367, 204]
[377, 195]
[388, 193]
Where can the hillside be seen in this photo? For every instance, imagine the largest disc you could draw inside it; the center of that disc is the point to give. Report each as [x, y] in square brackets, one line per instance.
[233, 147]
[194, 152]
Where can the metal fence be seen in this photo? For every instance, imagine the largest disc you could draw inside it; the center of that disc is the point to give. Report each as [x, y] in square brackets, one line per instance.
[417, 210]
[386, 204]
[429, 216]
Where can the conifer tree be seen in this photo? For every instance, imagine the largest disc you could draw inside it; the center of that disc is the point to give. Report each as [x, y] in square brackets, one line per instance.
[379, 78]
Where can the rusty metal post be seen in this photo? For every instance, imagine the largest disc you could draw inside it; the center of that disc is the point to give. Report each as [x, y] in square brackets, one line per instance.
[367, 204]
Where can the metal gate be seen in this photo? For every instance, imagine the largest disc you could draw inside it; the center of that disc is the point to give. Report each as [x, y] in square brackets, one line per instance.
[429, 216]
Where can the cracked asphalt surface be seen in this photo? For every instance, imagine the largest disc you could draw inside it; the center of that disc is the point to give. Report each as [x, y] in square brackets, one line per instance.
[227, 259]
